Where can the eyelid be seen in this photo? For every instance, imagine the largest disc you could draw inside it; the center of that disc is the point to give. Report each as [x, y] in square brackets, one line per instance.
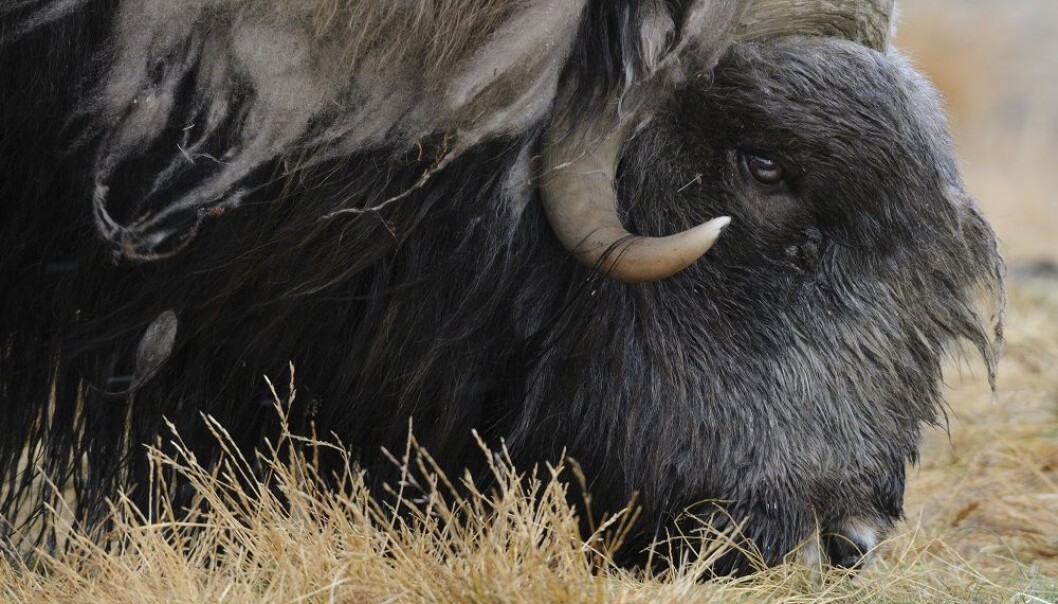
[793, 170]
[744, 158]
[761, 153]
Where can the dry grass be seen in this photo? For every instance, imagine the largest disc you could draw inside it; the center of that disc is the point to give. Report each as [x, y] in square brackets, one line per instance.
[985, 535]
[982, 508]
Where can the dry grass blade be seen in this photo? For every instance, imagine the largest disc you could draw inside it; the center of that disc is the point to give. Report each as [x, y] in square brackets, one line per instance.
[271, 529]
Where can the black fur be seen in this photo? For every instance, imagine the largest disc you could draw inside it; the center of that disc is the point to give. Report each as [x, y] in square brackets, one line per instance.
[786, 375]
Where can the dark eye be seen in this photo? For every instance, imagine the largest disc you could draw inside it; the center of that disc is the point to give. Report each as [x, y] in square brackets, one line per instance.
[764, 169]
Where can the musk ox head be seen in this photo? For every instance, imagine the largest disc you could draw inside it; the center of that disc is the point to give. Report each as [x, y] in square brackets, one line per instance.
[430, 232]
[786, 374]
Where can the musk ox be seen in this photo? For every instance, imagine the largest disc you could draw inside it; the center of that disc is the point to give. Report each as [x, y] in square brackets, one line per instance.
[427, 206]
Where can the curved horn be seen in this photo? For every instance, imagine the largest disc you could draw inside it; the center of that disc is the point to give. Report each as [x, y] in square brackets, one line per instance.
[867, 22]
[580, 198]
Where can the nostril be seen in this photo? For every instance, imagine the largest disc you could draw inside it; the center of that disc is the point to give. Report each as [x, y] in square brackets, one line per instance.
[850, 543]
[844, 551]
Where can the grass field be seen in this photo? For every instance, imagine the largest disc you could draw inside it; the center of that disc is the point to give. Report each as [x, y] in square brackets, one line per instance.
[982, 507]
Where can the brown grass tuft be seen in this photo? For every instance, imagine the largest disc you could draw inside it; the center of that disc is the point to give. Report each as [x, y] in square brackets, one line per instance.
[983, 526]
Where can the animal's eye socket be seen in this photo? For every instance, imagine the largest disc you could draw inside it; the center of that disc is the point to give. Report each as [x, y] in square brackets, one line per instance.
[764, 169]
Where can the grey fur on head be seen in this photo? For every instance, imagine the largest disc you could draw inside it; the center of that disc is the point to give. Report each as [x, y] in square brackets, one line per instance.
[830, 303]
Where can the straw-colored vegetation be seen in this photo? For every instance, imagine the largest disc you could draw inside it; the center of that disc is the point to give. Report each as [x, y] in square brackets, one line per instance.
[982, 507]
[982, 526]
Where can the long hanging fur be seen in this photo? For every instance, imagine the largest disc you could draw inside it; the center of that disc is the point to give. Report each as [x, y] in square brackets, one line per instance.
[201, 193]
[170, 115]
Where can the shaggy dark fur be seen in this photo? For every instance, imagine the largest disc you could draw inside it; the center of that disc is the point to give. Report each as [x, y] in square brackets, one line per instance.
[786, 375]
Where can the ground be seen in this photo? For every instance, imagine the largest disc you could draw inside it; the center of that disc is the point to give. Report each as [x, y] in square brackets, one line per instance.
[982, 506]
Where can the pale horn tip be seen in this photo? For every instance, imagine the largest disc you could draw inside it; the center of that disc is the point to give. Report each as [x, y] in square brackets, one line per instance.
[718, 225]
[647, 259]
